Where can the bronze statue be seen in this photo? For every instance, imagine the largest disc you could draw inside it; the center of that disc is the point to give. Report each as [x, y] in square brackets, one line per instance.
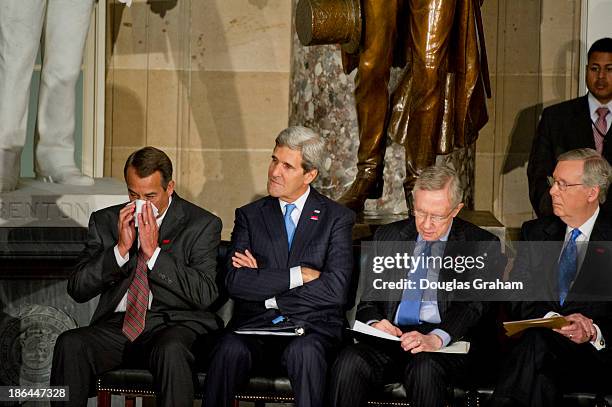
[439, 103]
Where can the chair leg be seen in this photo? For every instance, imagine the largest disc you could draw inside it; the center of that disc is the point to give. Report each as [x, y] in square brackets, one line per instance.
[104, 398]
[130, 401]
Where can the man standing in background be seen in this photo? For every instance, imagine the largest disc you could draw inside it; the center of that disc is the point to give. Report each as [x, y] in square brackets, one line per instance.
[583, 122]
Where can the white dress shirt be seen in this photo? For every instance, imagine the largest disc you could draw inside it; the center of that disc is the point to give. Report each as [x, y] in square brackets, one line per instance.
[295, 273]
[594, 104]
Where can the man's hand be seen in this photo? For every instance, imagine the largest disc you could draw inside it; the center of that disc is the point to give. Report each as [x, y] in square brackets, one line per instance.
[416, 342]
[309, 274]
[245, 259]
[387, 327]
[579, 330]
[126, 228]
[148, 232]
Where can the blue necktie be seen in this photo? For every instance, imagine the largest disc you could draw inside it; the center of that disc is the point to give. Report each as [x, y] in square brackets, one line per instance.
[568, 266]
[410, 307]
[289, 225]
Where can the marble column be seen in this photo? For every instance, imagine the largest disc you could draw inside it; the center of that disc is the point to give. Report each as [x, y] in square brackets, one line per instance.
[321, 96]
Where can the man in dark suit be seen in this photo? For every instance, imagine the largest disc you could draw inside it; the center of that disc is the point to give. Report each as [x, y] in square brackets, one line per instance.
[583, 122]
[429, 320]
[155, 283]
[291, 261]
[570, 278]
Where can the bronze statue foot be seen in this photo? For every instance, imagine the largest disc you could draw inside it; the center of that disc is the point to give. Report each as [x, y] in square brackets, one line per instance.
[365, 186]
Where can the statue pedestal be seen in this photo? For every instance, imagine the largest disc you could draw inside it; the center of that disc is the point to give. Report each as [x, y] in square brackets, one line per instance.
[41, 204]
[43, 228]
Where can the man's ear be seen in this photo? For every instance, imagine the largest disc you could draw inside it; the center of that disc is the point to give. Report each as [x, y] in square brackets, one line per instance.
[457, 209]
[170, 187]
[310, 175]
[593, 194]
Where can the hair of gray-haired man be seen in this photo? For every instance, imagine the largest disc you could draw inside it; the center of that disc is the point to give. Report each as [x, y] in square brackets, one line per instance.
[306, 141]
[437, 177]
[597, 171]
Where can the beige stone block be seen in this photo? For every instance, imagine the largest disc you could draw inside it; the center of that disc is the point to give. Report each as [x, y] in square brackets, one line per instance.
[513, 194]
[560, 33]
[162, 108]
[241, 35]
[129, 96]
[521, 45]
[168, 35]
[221, 181]
[130, 47]
[486, 136]
[484, 179]
[240, 110]
[517, 119]
[558, 88]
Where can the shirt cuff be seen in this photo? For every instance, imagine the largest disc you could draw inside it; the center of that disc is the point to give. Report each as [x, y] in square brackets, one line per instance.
[551, 314]
[271, 303]
[295, 277]
[372, 321]
[443, 335]
[599, 341]
[121, 260]
[153, 259]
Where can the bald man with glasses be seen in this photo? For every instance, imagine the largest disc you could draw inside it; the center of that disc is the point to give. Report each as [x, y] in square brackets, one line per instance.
[423, 320]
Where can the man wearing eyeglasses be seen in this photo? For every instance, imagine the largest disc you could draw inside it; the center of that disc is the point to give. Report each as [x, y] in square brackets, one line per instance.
[575, 281]
[423, 324]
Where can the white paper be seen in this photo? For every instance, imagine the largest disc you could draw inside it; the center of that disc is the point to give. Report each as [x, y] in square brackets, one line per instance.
[454, 347]
[126, 2]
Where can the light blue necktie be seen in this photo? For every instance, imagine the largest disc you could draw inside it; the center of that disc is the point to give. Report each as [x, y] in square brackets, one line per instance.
[289, 225]
[410, 307]
[568, 266]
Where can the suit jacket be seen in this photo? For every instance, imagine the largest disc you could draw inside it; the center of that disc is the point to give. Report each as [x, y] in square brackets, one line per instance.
[458, 318]
[322, 241]
[563, 127]
[183, 279]
[591, 293]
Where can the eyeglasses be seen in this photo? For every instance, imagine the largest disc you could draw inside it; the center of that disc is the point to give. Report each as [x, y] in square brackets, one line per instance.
[562, 185]
[434, 219]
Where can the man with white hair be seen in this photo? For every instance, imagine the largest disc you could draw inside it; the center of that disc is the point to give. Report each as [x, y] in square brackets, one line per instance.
[291, 267]
[575, 282]
[424, 321]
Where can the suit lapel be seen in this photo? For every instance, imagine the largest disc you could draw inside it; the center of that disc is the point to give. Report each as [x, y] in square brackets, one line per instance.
[275, 225]
[595, 260]
[306, 225]
[584, 129]
[174, 221]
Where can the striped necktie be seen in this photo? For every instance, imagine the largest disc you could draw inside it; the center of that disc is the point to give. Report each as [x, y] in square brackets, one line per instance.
[137, 301]
[600, 128]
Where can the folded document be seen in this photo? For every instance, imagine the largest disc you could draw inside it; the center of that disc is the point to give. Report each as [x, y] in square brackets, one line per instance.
[453, 347]
[514, 327]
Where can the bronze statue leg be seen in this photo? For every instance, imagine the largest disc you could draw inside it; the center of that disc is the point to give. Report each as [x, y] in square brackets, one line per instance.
[431, 24]
[372, 100]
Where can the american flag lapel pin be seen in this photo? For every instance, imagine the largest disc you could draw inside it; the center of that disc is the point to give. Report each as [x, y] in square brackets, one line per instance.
[315, 214]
